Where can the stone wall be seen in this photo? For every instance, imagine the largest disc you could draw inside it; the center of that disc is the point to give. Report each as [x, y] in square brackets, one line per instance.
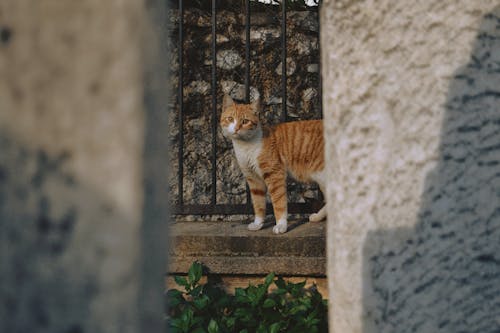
[412, 125]
[265, 82]
[82, 203]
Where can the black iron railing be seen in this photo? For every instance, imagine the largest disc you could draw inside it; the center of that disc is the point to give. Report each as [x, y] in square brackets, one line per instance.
[180, 207]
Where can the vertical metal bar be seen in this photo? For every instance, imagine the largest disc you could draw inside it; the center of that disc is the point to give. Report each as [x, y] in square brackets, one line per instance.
[283, 60]
[320, 89]
[180, 99]
[214, 103]
[247, 52]
[320, 94]
[247, 70]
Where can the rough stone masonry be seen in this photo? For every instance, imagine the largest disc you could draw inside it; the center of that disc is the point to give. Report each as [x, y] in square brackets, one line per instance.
[303, 100]
[413, 130]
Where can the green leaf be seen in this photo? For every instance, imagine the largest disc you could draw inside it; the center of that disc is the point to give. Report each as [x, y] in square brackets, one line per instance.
[174, 293]
[252, 293]
[280, 283]
[296, 288]
[313, 329]
[268, 303]
[197, 320]
[209, 309]
[174, 297]
[195, 292]
[241, 295]
[241, 313]
[245, 316]
[198, 330]
[301, 284]
[314, 322]
[261, 329]
[280, 291]
[239, 292]
[213, 327]
[261, 291]
[306, 301]
[194, 273]
[181, 281]
[177, 323]
[269, 279]
[297, 309]
[187, 317]
[201, 303]
[310, 317]
[230, 321]
[274, 328]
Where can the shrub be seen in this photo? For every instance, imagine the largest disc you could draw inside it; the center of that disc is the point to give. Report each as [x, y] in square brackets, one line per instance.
[208, 308]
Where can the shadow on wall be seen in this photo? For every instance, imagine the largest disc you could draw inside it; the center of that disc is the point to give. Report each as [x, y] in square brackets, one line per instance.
[51, 256]
[68, 257]
[444, 274]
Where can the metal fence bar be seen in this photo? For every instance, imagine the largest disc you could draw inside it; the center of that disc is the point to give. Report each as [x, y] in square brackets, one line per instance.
[214, 103]
[181, 208]
[247, 52]
[247, 72]
[283, 60]
[320, 88]
[180, 94]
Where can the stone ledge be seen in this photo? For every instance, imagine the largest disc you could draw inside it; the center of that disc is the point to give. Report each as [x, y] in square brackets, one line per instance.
[229, 248]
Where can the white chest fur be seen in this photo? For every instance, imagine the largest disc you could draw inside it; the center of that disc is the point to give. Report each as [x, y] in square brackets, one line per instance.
[247, 154]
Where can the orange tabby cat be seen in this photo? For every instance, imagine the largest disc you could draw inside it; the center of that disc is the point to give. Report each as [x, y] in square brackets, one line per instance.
[267, 155]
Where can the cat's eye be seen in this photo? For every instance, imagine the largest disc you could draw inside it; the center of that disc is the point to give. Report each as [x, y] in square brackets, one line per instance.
[230, 119]
[245, 121]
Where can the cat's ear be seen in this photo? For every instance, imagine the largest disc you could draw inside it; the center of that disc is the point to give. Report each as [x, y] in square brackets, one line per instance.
[255, 105]
[227, 102]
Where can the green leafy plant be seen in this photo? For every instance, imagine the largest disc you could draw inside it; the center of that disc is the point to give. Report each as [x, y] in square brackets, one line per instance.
[290, 307]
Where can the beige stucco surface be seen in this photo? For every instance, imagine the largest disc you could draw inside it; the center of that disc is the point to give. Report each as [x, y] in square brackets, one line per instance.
[72, 166]
[393, 89]
[71, 81]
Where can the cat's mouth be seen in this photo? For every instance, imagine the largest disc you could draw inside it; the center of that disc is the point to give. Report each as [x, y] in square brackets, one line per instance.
[241, 134]
[231, 134]
[237, 136]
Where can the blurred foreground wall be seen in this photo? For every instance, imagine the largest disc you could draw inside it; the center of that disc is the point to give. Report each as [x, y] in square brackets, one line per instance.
[412, 110]
[82, 201]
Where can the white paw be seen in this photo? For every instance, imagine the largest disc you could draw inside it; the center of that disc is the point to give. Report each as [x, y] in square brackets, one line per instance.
[255, 226]
[319, 216]
[280, 227]
[315, 217]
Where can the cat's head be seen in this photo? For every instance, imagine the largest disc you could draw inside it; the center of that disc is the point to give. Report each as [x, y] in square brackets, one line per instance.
[239, 121]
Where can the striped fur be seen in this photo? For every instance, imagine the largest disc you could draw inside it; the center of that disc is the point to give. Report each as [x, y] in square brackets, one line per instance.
[267, 155]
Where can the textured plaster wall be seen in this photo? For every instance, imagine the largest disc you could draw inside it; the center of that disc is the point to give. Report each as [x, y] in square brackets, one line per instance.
[412, 110]
[78, 205]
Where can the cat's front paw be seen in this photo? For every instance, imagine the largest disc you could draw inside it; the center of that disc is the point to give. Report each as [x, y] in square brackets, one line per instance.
[319, 216]
[254, 226]
[316, 217]
[280, 227]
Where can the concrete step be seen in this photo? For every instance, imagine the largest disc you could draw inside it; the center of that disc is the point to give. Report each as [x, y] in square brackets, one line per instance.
[230, 248]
